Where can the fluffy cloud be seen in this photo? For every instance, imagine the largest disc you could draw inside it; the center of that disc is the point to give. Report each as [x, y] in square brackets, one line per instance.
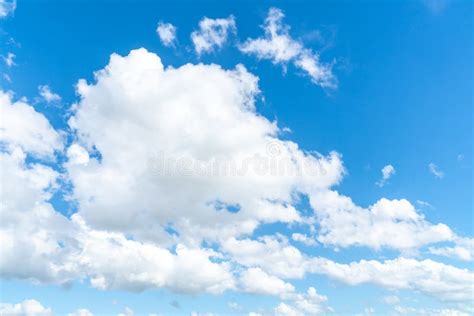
[276, 257]
[167, 33]
[47, 95]
[278, 46]
[166, 160]
[31, 232]
[257, 281]
[81, 312]
[387, 172]
[310, 303]
[23, 127]
[40, 244]
[144, 265]
[432, 278]
[388, 223]
[25, 308]
[185, 161]
[308, 241]
[212, 34]
[272, 254]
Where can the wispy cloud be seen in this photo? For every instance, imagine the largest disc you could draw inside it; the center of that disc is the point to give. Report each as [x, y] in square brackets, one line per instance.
[278, 46]
[47, 95]
[436, 171]
[9, 59]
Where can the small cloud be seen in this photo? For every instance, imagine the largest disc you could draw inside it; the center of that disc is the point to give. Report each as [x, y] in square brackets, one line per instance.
[308, 241]
[234, 306]
[424, 204]
[7, 7]
[463, 249]
[460, 157]
[167, 33]
[126, 312]
[212, 34]
[435, 171]
[47, 95]
[9, 59]
[391, 299]
[387, 172]
[278, 46]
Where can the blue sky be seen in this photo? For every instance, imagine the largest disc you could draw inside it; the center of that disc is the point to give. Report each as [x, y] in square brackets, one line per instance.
[402, 96]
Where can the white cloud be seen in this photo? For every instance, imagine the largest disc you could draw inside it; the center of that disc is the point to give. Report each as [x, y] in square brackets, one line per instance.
[23, 127]
[47, 95]
[388, 223]
[310, 303]
[145, 265]
[401, 310]
[439, 280]
[9, 59]
[463, 249]
[167, 33]
[7, 7]
[162, 155]
[257, 281]
[77, 155]
[307, 240]
[444, 282]
[272, 254]
[81, 312]
[387, 172]
[286, 310]
[435, 171]
[119, 238]
[391, 299]
[41, 245]
[25, 308]
[126, 312]
[278, 46]
[212, 34]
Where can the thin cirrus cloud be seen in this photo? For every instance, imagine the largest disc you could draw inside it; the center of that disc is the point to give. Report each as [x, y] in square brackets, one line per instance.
[279, 47]
[436, 171]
